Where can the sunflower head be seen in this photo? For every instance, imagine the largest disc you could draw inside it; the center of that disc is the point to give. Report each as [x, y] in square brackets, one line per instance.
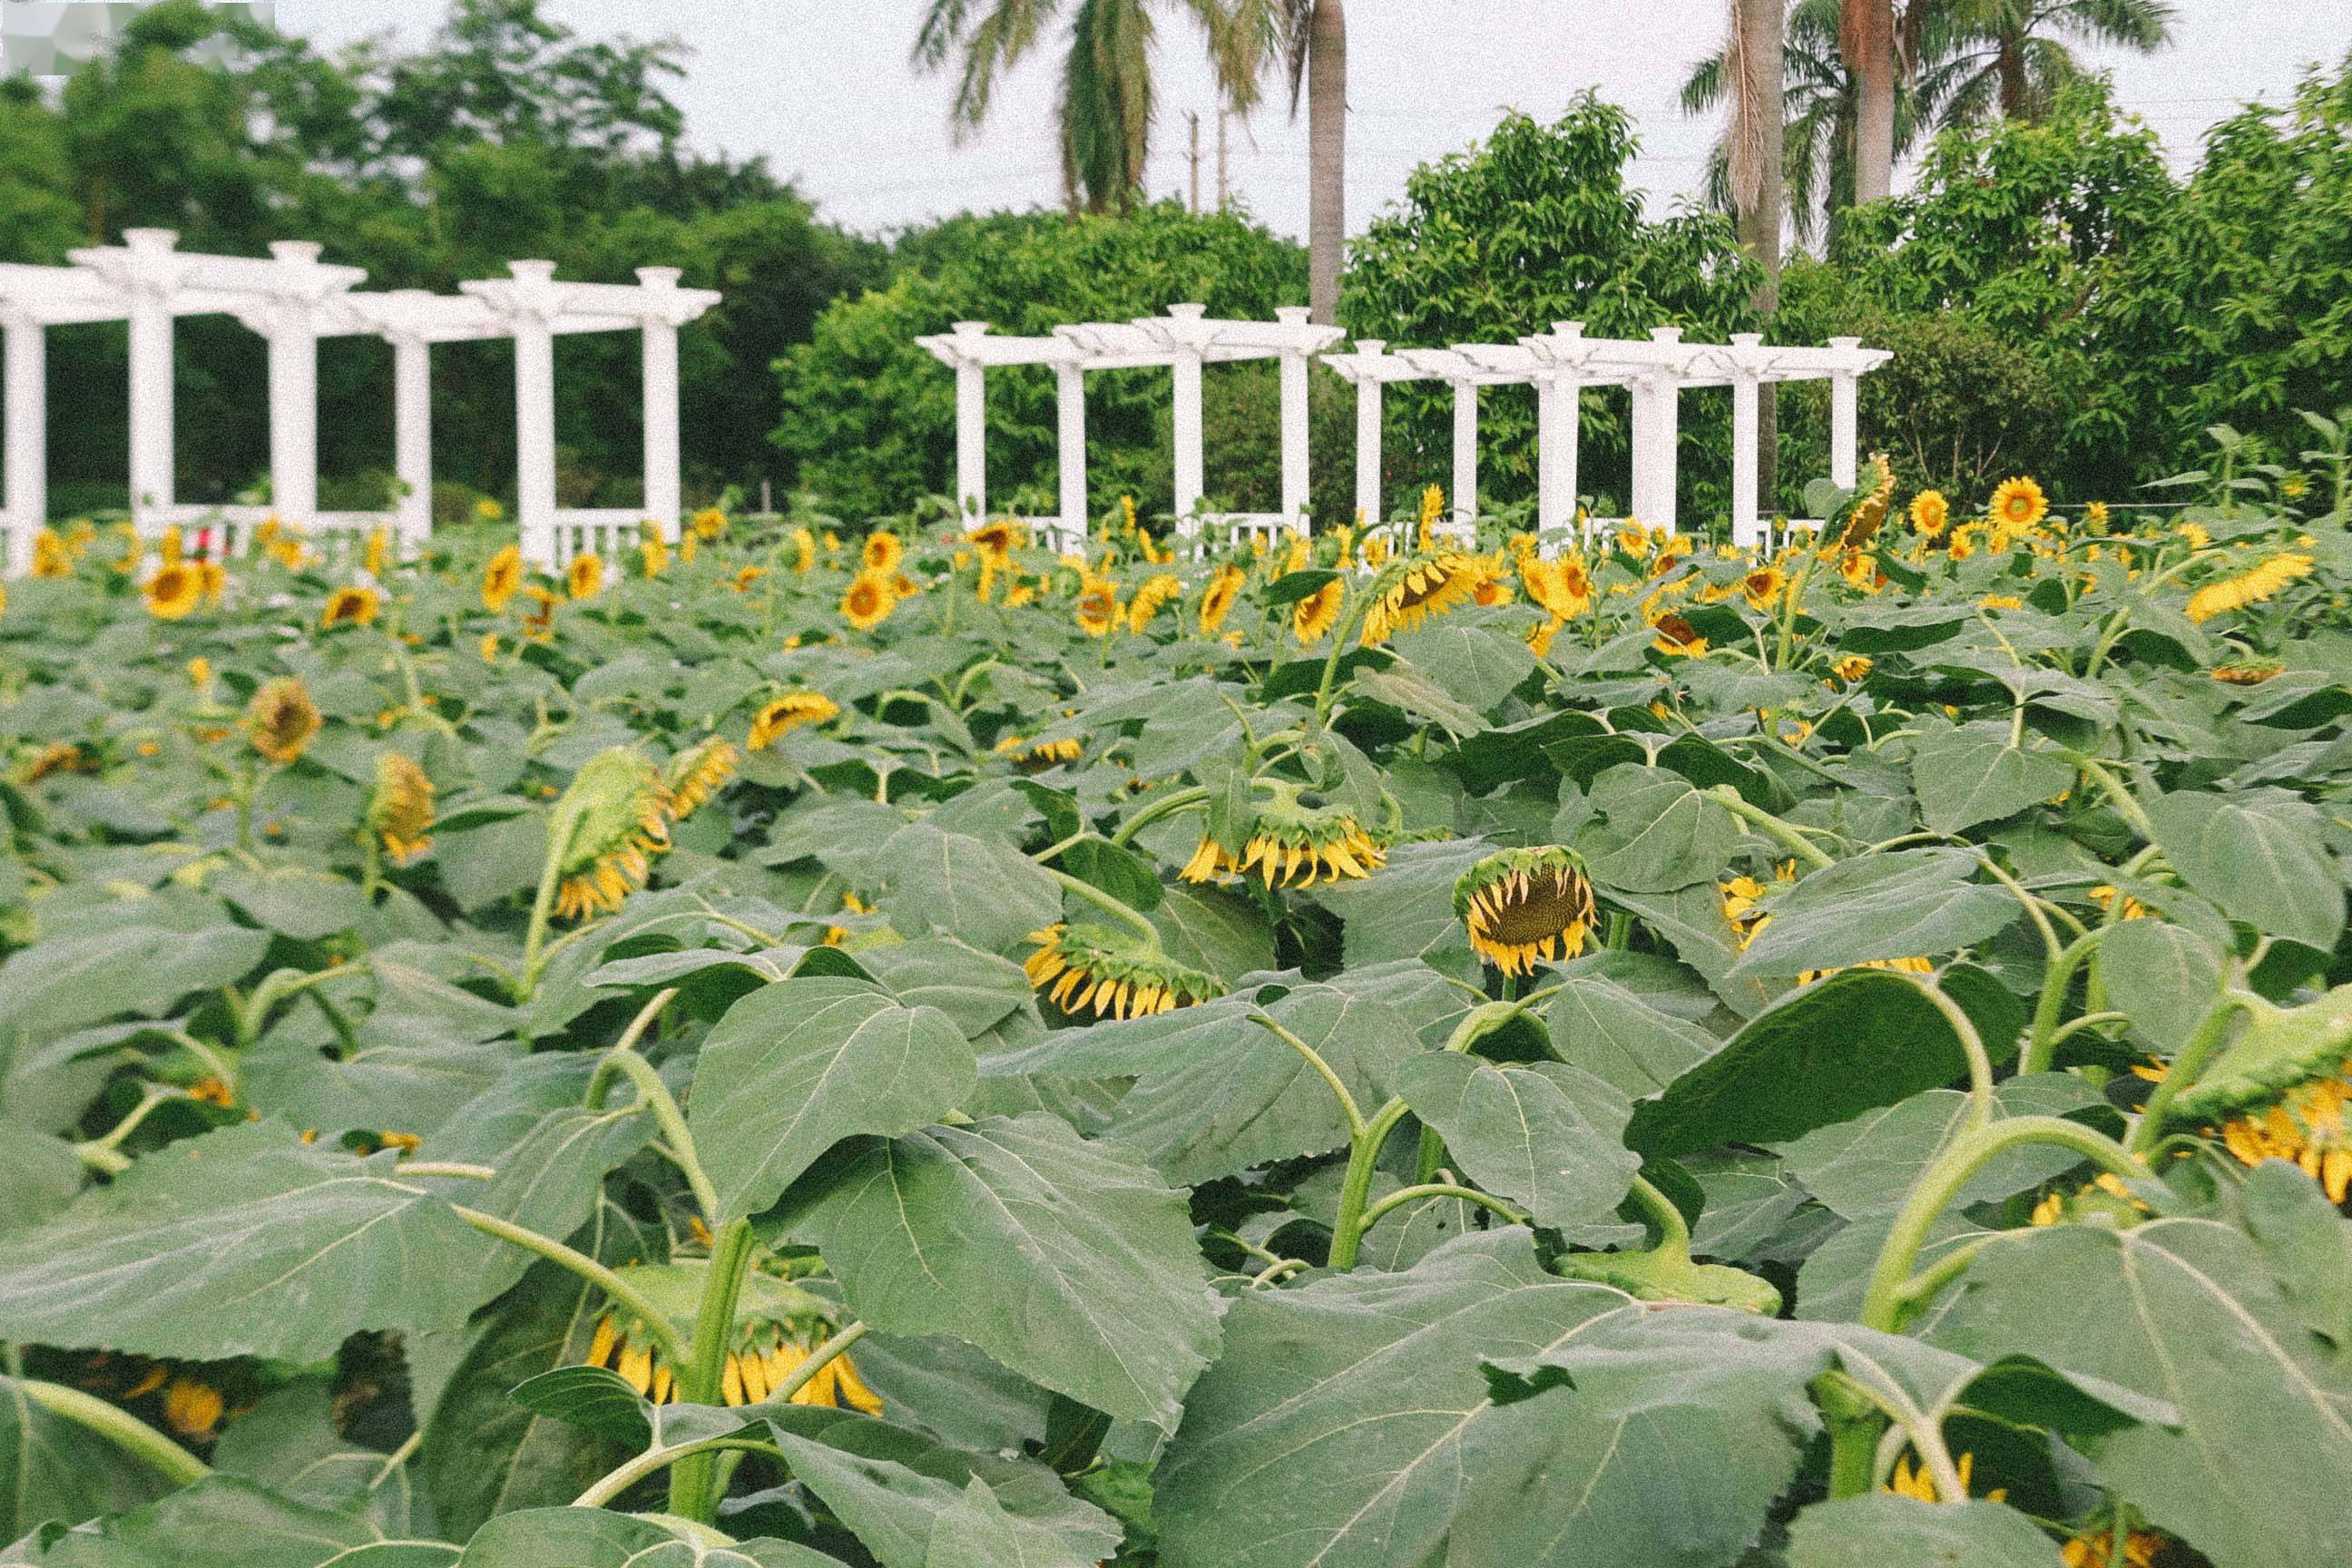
[175, 591]
[1098, 609]
[2252, 587]
[1761, 586]
[357, 605]
[995, 541]
[709, 522]
[1677, 638]
[1862, 523]
[1217, 598]
[697, 773]
[1087, 968]
[2017, 505]
[400, 807]
[379, 551]
[500, 578]
[653, 554]
[2246, 671]
[868, 600]
[1319, 611]
[584, 578]
[282, 719]
[1525, 906]
[1042, 755]
[1292, 840]
[881, 553]
[1412, 590]
[617, 812]
[2283, 1090]
[489, 510]
[1931, 513]
[776, 1324]
[788, 714]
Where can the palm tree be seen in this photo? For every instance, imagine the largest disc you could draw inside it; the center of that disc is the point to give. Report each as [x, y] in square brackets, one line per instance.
[2012, 60]
[1107, 97]
[1867, 44]
[1307, 40]
[1756, 169]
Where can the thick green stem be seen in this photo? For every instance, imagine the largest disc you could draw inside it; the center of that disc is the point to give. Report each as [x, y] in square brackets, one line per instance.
[1414, 1195]
[653, 1460]
[623, 1061]
[2057, 978]
[837, 1344]
[1674, 1231]
[1363, 1157]
[120, 1428]
[1167, 805]
[1109, 905]
[699, 1378]
[1314, 1058]
[560, 829]
[2118, 796]
[1980, 1100]
[1882, 1302]
[658, 1324]
[1788, 837]
[2210, 1032]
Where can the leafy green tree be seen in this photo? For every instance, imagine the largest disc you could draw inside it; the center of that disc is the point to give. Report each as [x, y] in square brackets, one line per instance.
[870, 416]
[1537, 225]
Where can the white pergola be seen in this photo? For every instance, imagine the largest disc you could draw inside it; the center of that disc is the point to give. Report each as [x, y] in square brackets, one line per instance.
[293, 299]
[1184, 341]
[1561, 364]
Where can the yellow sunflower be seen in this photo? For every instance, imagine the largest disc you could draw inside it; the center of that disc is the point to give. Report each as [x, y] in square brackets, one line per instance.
[2018, 504]
[652, 555]
[584, 578]
[1931, 513]
[354, 607]
[1087, 968]
[1412, 590]
[1525, 906]
[1562, 586]
[1762, 587]
[2097, 1550]
[996, 541]
[1677, 638]
[1156, 591]
[775, 1327]
[50, 556]
[2094, 515]
[1217, 598]
[697, 773]
[804, 544]
[868, 601]
[173, 592]
[379, 552]
[281, 719]
[488, 510]
[1043, 755]
[2248, 587]
[882, 553]
[1098, 610]
[709, 522]
[1918, 1482]
[401, 809]
[788, 714]
[619, 810]
[1290, 835]
[500, 578]
[1318, 613]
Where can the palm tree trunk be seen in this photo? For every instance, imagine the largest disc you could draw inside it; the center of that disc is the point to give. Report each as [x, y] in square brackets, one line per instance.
[2010, 62]
[1757, 131]
[1866, 39]
[1327, 151]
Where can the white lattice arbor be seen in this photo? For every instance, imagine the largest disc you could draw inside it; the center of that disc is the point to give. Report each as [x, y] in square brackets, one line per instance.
[33, 300]
[534, 309]
[1183, 340]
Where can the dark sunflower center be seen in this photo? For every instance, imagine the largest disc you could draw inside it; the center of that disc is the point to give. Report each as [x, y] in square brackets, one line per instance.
[1550, 905]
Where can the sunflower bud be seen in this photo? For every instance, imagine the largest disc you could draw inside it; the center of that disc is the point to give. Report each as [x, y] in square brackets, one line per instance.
[282, 719]
[401, 809]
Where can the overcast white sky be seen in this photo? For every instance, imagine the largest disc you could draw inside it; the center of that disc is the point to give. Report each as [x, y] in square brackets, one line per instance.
[825, 90]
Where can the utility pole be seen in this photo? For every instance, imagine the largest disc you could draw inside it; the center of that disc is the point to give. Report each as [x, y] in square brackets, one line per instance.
[1223, 189]
[1192, 119]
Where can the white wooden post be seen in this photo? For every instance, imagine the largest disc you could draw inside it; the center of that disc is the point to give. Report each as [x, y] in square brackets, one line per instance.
[534, 342]
[664, 482]
[1185, 370]
[1293, 424]
[1844, 435]
[1368, 439]
[293, 338]
[1747, 526]
[1559, 422]
[1070, 451]
[411, 430]
[150, 281]
[27, 454]
[972, 430]
[1465, 450]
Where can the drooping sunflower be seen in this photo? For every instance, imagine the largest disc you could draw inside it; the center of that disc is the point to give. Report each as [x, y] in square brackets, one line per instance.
[2246, 672]
[357, 605]
[50, 556]
[2095, 516]
[1098, 609]
[617, 810]
[652, 555]
[1562, 586]
[882, 553]
[867, 602]
[173, 592]
[584, 578]
[2248, 587]
[1291, 833]
[745, 576]
[776, 1326]
[500, 578]
[1085, 968]
[1522, 907]
[281, 719]
[1042, 755]
[804, 544]
[995, 541]
[1317, 613]
[2283, 1090]
[1417, 588]
[379, 552]
[697, 773]
[1155, 593]
[788, 714]
[2097, 1550]
[1217, 598]
[1931, 513]
[1854, 667]
[489, 510]
[2017, 504]
[1919, 1483]
[401, 808]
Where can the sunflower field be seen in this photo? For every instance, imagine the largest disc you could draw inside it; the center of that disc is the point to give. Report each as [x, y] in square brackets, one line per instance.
[808, 1045]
